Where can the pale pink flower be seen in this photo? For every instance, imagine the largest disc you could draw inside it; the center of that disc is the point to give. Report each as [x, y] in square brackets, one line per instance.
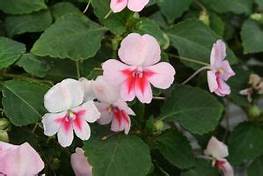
[220, 70]
[19, 160]
[133, 5]
[80, 164]
[140, 69]
[219, 151]
[68, 113]
[113, 110]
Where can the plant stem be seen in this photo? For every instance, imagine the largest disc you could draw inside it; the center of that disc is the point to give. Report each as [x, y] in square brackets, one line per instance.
[87, 7]
[188, 59]
[159, 98]
[195, 73]
[108, 14]
[78, 70]
[200, 5]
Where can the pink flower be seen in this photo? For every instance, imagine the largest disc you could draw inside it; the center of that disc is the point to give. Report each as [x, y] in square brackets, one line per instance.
[133, 5]
[19, 160]
[68, 113]
[113, 109]
[80, 164]
[218, 151]
[140, 55]
[220, 70]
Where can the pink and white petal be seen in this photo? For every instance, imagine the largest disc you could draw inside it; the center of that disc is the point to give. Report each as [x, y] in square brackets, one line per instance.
[139, 50]
[127, 91]
[216, 149]
[228, 72]
[80, 164]
[223, 88]
[6, 146]
[63, 96]
[51, 124]
[117, 126]
[163, 75]
[118, 5]
[143, 91]
[88, 111]
[105, 92]
[137, 5]
[87, 87]
[228, 169]
[212, 82]
[112, 71]
[81, 129]
[124, 106]
[218, 53]
[65, 136]
[105, 113]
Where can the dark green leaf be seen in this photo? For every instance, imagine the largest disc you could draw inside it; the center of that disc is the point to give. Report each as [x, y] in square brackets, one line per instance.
[21, 6]
[35, 22]
[73, 36]
[23, 101]
[256, 169]
[195, 109]
[63, 8]
[245, 143]
[176, 149]
[10, 51]
[118, 156]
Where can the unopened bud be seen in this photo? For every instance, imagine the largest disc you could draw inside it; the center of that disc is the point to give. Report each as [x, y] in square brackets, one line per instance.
[204, 17]
[4, 136]
[159, 125]
[257, 17]
[4, 123]
[254, 111]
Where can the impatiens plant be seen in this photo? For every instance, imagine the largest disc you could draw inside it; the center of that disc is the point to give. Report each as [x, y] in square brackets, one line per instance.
[131, 87]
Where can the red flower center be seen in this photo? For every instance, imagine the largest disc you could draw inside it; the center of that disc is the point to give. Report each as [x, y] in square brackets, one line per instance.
[120, 115]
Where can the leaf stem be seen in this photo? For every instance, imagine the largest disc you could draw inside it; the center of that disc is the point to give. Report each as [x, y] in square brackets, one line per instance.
[200, 5]
[108, 14]
[159, 98]
[188, 59]
[78, 70]
[87, 7]
[195, 73]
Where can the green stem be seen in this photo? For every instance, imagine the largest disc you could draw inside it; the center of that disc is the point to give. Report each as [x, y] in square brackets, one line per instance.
[108, 14]
[200, 5]
[78, 70]
[195, 73]
[188, 59]
[87, 7]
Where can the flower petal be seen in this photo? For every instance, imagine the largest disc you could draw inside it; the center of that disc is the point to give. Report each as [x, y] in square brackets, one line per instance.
[212, 83]
[105, 92]
[216, 149]
[80, 164]
[124, 106]
[23, 158]
[112, 71]
[64, 95]
[223, 88]
[50, 123]
[163, 75]
[127, 90]
[228, 169]
[118, 5]
[139, 50]
[106, 115]
[65, 136]
[137, 5]
[87, 87]
[218, 53]
[228, 72]
[143, 91]
[82, 129]
[89, 111]
[121, 122]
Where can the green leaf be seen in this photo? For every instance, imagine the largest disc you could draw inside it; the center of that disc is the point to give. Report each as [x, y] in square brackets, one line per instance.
[252, 37]
[195, 109]
[23, 101]
[10, 51]
[118, 156]
[115, 22]
[202, 168]
[22, 6]
[147, 26]
[34, 65]
[176, 149]
[63, 8]
[35, 22]
[259, 3]
[173, 9]
[245, 143]
[234, 6]
[73, 36]
[255, 168]
[217, 24]
[194, 40]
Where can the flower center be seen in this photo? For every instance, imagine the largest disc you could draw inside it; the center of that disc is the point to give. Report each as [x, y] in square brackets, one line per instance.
[219, 164]
[220, 70]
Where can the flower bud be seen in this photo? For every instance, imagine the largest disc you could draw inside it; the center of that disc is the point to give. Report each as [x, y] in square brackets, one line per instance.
[254, 111]
[159, 125]
[4, 136]
[4, 123]
[204, 17]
